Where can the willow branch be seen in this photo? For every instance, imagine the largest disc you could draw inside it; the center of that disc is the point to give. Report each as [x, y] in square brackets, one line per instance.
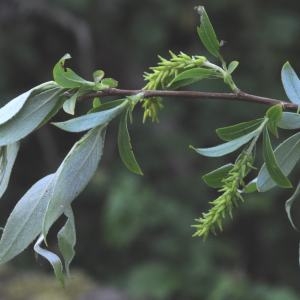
[239, 96]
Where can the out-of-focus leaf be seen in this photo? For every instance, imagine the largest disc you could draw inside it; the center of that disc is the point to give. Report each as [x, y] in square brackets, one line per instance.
[32, 114]
[98, 75]
[69, 104]
[207, 33]
[191, 76]
[125, 148]
[107, 105]
[289, 203]
[25, 221]
[109, 83]
[67, 240]
[235, 131]
[74, 174]
[215, 178]
[291, 83]
[228, 147]
[275, 166]
[289, 120]
[7, 160]
[52, 258]
[274, 115]
[232, 66]
[66, 77]
[91, 120]
[251, 187]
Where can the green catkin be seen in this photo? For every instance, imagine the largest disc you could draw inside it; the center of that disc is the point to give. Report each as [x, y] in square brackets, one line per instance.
[223, 205]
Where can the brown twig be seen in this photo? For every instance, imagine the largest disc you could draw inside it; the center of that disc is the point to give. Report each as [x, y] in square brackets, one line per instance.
[239, 96]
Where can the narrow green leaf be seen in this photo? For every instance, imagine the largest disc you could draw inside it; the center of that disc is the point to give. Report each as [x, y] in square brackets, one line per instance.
[91, 120]
[52, 258]
[25, 221]
[7, 160]
[69, 104]
[66, 77]
[107, 105]
[98, 75]
[191, 76]
[215, 178]
[232, 66]
[124, 145]
[274, 115]
[287, 155]
[291, 83]
[289, 120]
[67, 240]
[74, 174]
[207, 34]
[37, 107]
[228, 147]
[271, 163]
[96, 102]
[235, 131]
[289, 204]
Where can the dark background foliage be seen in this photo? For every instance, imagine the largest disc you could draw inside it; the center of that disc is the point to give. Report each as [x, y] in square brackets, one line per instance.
[134, 233]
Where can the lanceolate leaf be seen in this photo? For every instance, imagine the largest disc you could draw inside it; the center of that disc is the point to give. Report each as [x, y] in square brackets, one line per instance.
[235, 131]
[207, 34]
[8, 157]
[67, 239]
[193, 75]
[289, 120]
[52, 258]
[91, 120]
[69, 104]
[25, 222]
[289, 204]
[228, 147]
[215, 178]
[74, 174]
[272, 166]
[66, 77]
[34, 111]
[9, 110]
[287, 155]
[291, 83]
[232, 66]
[125, 148]
[274, 115]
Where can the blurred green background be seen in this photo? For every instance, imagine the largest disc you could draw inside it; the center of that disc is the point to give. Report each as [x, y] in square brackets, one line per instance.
[134, 234]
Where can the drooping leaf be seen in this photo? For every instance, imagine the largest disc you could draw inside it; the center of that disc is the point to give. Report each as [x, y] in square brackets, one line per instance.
[272, 166]
[74, 174]
[228, 147]
[235, 131]
[289, 120]
[274, 115]
[69, 104]
[215, 178]
[232, 66]
[25, 221]
[52, 258]
[291, 83]
[289, 204]
[191, 76]
[207, 33]
[124, 145]
[91, 120]
[287, 155]
[67, 240]
[37, 107]
[66, 77]
[7, 160]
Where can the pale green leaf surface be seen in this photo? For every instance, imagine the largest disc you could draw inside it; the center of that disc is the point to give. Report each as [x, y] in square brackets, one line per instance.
[291, 83]
[125, 147]
[232, 66]
[228, 147]
[25, 221]
[289, 120]
[69, 104]
[74, 174]
[289, 204]
[32, 114]
[287, 155]
[52, 258]
[274, 115]
[91, 120]
[67, 239]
